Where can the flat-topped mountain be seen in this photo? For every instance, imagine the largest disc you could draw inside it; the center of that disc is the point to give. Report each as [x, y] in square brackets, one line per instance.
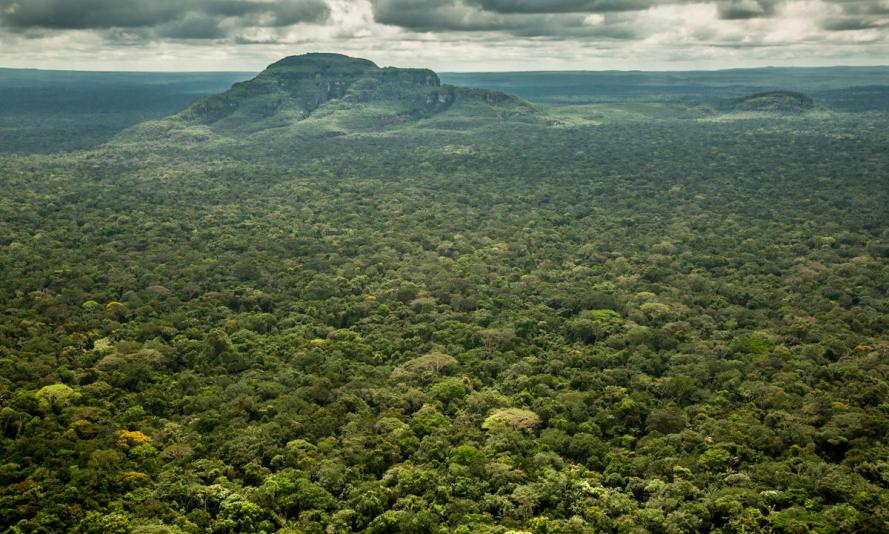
[296, 86]
[332, 94]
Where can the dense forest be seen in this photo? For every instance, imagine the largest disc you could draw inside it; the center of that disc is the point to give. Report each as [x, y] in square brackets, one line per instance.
[651, 319]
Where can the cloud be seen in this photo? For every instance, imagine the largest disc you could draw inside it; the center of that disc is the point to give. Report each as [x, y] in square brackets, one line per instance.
[746, 9]
[629, 19]
[862, 7]
[193, 19]
[855, 15]
[473, 16]
[846, 24]
[554, 18]
[443, 34]
[562, 6]
[192, 26]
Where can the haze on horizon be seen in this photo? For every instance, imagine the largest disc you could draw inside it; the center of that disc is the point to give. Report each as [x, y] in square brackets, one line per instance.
[446, 35]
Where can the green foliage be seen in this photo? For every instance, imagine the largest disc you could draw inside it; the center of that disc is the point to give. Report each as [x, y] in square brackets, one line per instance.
[113, 523]
[448, 390]
[434, 362]
[511, 418]
[56, 396]
[594, 325]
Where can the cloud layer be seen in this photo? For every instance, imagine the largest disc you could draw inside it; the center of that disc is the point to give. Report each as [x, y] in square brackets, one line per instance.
[482, 34]
[182, 19]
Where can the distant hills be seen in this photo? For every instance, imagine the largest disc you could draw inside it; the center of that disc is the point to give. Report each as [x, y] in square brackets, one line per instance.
[842, 88]
[322, 95]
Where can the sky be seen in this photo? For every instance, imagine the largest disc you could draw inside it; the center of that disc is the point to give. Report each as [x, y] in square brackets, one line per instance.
[446, 35]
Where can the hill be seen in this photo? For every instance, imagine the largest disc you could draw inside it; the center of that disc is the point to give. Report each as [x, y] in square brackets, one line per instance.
[775, 101]
[325, 95]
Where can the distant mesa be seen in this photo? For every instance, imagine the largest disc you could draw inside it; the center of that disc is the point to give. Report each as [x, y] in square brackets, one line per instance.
[776, 101]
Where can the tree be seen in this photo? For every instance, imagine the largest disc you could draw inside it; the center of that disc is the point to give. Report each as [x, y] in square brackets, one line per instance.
[511, 418]
[56, 396]
[594, 325]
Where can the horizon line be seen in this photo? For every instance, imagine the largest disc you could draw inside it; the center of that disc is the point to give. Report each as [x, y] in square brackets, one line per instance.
[530, 71]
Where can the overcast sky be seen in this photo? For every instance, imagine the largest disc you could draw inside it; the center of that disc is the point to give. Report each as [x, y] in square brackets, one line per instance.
[446, 35]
